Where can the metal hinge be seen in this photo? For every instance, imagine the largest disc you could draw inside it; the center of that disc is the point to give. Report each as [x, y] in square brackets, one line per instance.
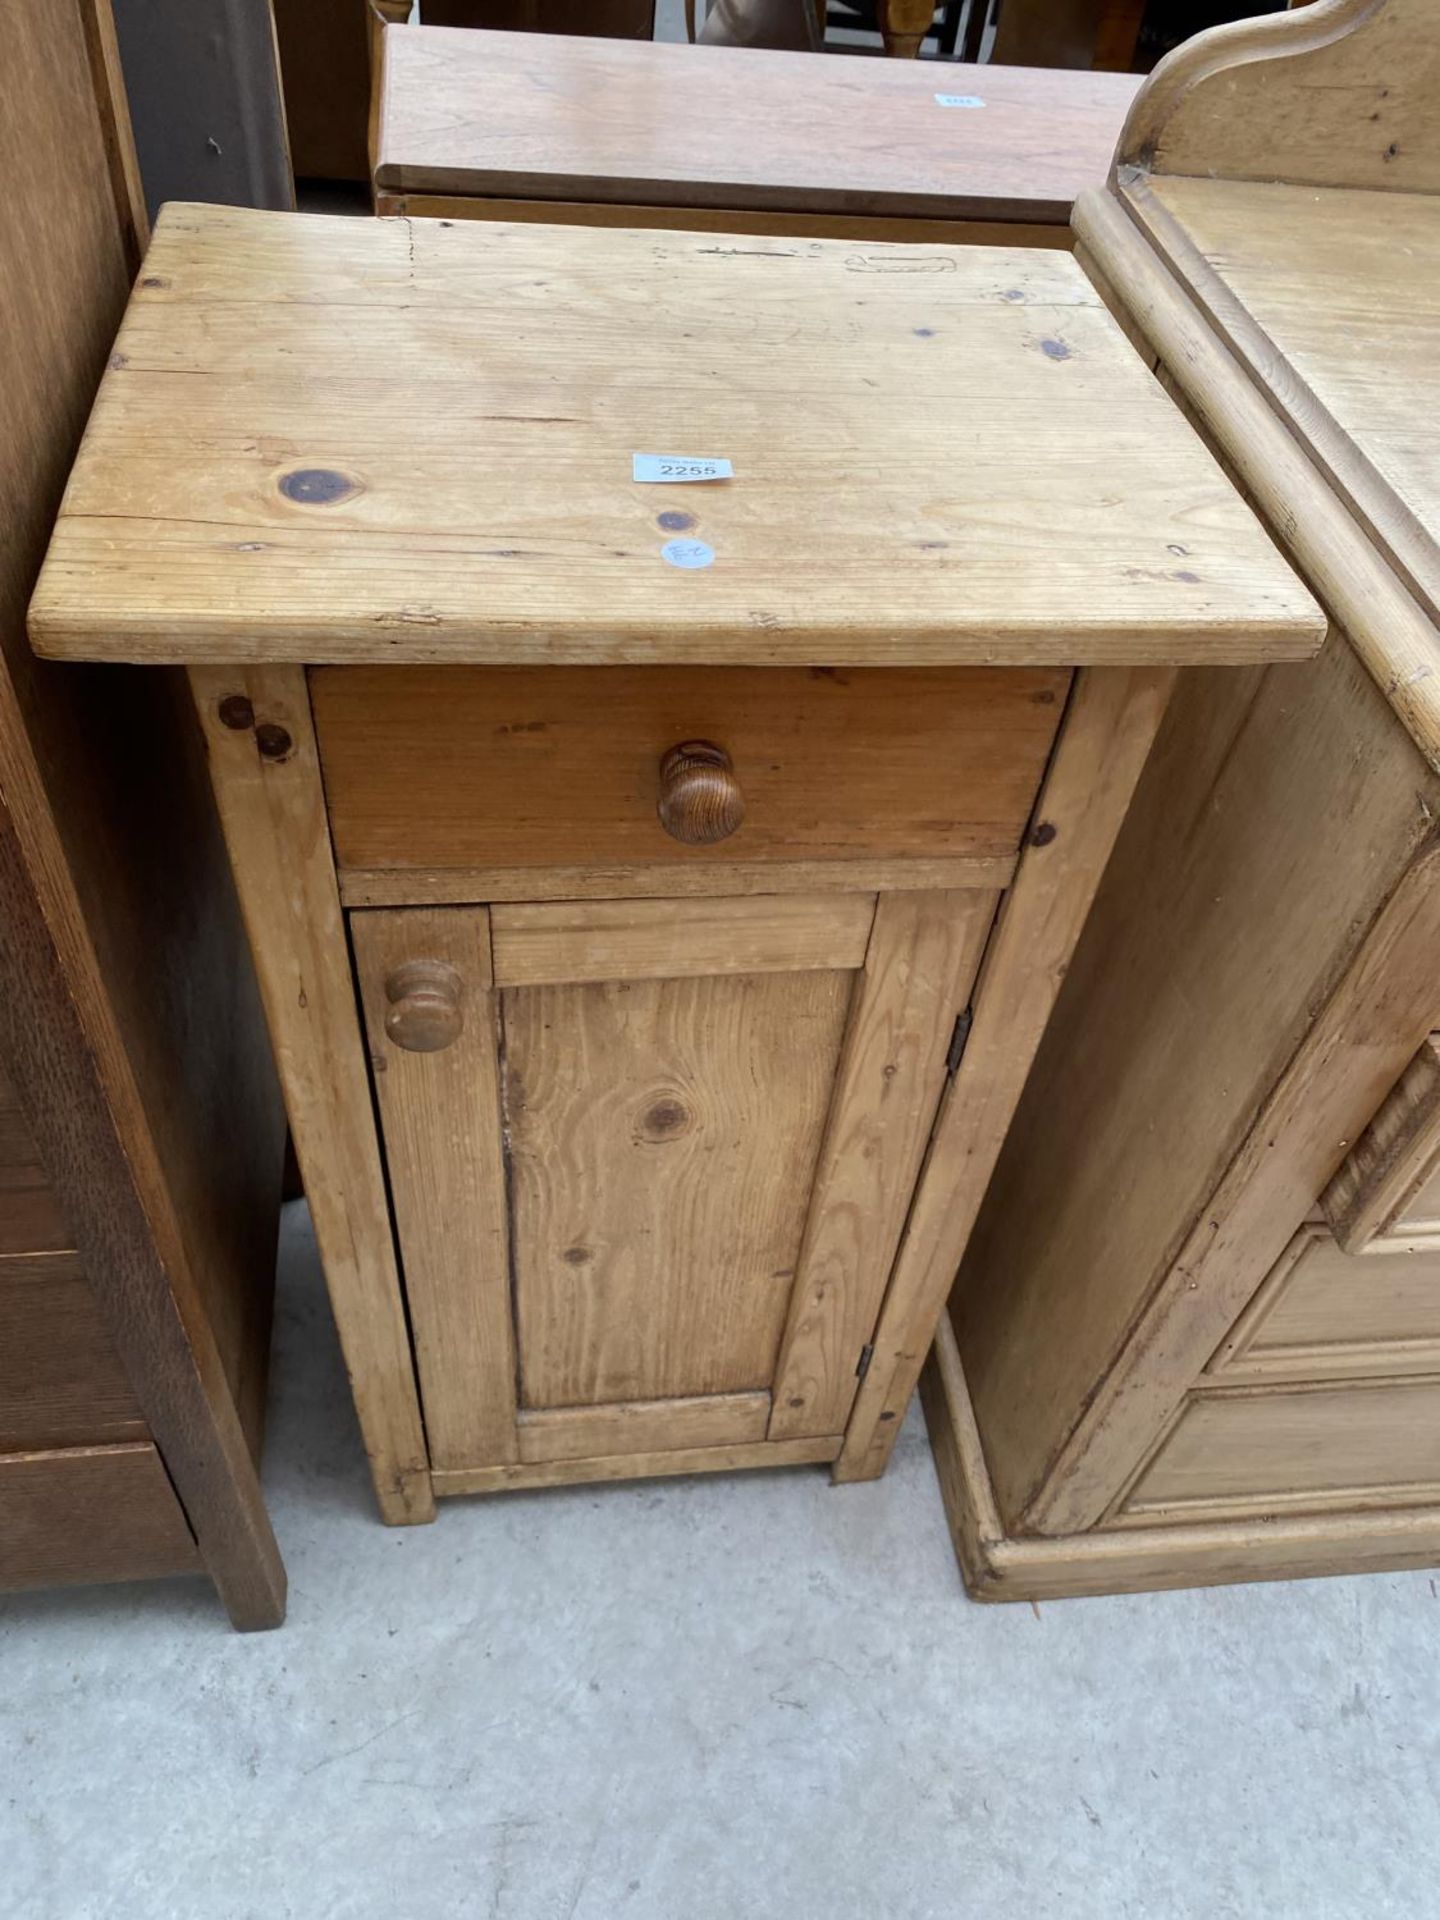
[958, 1041]
[867, 1354]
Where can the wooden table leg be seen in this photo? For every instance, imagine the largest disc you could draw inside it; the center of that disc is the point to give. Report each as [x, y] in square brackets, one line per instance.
[1107, 735]
[266, 772]
[903, 25]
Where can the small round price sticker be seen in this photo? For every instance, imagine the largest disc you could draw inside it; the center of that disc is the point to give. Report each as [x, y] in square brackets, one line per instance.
[687, 553]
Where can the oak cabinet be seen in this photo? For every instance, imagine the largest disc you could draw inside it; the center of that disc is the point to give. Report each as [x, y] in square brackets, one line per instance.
[141, 1130]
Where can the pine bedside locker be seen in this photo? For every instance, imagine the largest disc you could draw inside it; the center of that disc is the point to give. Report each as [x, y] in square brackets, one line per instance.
[658, 889]
[1196, 1335]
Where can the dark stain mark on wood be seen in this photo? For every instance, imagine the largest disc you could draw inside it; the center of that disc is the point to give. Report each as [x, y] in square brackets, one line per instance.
[273, 742]
[1043, 833]
[1055, 349]
[674, 522]
[236, 712]
[317, 486]
[666, 1119]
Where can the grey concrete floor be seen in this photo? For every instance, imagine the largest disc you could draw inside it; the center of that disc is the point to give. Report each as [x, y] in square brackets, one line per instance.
[699, 1700]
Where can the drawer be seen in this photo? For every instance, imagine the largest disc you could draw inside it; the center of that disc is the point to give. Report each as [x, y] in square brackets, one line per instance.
[1323, 1312]
[1388, 1188]
[1286, 1448]
[30, 1216]
[61, 1381]
[474, 770]
[90, 1513]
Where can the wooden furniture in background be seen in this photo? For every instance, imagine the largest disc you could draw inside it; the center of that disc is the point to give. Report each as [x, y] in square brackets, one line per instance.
[518, 126]
[903, 25]
[206, 101]
[140, 1123]
[1197, 1333]
[652, 1113]
[1100, 35]
[324, 49]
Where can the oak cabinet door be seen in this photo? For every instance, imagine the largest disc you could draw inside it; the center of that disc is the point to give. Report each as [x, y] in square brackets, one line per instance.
[649, 1161]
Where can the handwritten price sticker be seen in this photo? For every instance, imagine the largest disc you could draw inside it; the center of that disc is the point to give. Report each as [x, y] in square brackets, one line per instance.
[670, 469]
[689, 554]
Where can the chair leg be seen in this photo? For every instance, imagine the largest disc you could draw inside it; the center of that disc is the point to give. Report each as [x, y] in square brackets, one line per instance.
[977, 15]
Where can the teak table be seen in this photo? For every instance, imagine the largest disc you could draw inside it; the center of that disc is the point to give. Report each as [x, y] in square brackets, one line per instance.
[1196, 1334]
[528, 126]
[658, 890]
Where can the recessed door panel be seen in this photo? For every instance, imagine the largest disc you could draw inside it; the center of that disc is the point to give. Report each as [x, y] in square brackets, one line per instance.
[649, 1162]
[662, 1138]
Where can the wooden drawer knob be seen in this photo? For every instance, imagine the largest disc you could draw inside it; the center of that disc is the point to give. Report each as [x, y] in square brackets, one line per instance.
[700, 798]
[425, 1011]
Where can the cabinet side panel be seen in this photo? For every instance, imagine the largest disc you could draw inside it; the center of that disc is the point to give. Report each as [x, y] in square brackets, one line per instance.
[1275, 817]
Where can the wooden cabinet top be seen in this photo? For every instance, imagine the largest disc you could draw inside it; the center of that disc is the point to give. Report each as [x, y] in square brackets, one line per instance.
[343, 440]
[1274, 227]
[552, 117]
[1332, 297]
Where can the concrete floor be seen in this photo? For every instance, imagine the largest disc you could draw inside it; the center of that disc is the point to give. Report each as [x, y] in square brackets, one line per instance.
[699, 1700]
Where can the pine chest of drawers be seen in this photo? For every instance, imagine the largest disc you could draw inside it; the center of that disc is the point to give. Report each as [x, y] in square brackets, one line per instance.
[1196, 1333]
[658, 889]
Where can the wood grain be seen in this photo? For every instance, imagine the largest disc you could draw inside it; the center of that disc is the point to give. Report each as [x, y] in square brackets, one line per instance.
[61, 1380]
[923, 956]
[1104, 741]
[1142, 1557]
[1341, 93]
[1277, 813]
[657, 939]
[454, 483]
[639, 1466]
[533, 117]
[1358, 1043]
[643, 1426]
[267, 784]
[445, 1162]
[92, 1513]
[1390, 630]
[518, 767]
[1277, 268]
[790, 226]
[463, 886]
[1286, 1448]
[32, 1220]
[1323, 1312]
[662, 1137]
[129, 1021]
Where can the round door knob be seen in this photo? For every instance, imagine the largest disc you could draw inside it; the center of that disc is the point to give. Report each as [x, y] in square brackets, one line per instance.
[425, 1011]
[700, 798]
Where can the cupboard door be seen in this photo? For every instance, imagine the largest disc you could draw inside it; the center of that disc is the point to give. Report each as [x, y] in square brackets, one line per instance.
[642, 1154]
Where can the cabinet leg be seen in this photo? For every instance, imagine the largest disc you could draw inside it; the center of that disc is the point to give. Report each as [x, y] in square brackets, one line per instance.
[266, 772]
[904, 25]
[1107, 734]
